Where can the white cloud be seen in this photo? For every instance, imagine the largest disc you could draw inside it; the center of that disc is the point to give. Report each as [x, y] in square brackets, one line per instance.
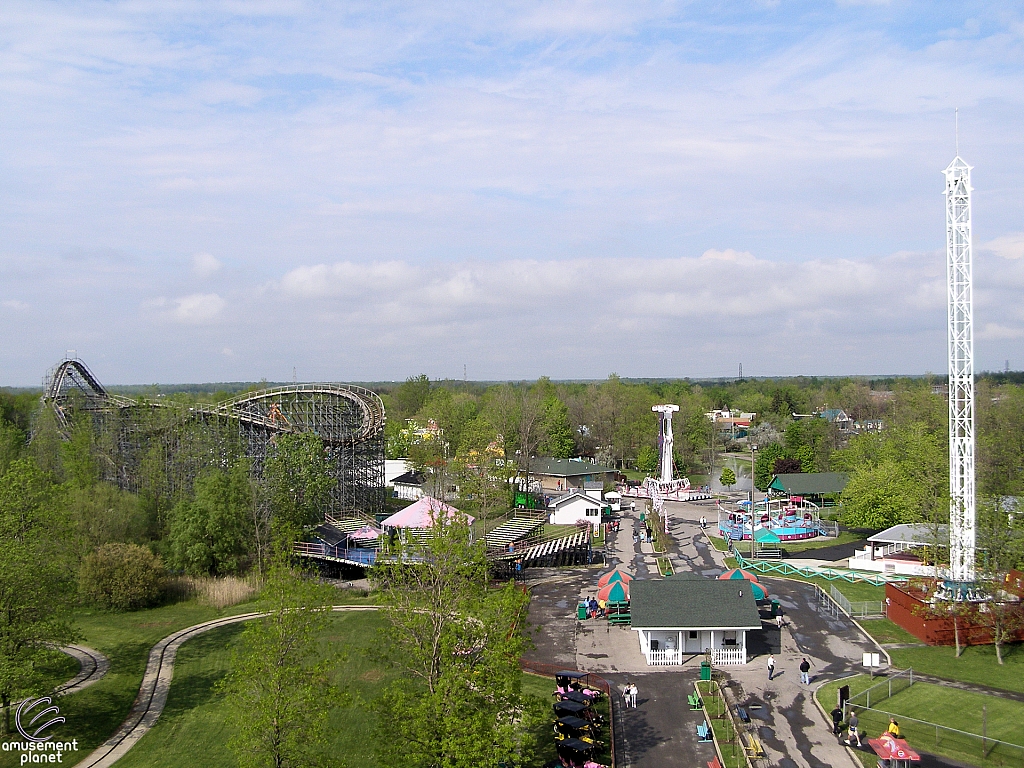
[205, 264]
[15, 304]
[198, 308]
[1008, 246]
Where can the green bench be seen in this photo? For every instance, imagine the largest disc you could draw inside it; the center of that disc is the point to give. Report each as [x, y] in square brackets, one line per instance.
[617, 612]
[695, 702]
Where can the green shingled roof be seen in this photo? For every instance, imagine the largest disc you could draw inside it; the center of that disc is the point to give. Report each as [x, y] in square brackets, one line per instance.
[810, 483]
[565, 467]
[693, 604]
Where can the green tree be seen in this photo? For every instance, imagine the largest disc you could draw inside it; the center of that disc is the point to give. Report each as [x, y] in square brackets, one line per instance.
[102, 514]
[12, 443]
[728, 478]
[279, 692]
[458, 700]
[212, 533]
[297, 481]
[647, 460]
[36, 578]
[411, 396]
[764, 465]
[558, 439]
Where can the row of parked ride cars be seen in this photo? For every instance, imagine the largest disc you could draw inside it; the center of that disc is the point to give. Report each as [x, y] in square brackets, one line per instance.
[577, 723]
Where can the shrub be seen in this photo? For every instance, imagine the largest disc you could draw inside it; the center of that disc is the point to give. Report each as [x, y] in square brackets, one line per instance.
[121, 577]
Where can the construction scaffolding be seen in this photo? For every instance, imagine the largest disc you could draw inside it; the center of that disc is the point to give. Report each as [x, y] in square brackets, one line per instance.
[138, 440]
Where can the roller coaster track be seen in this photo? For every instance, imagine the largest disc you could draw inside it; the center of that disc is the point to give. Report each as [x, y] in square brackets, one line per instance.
[349, 420]
[244, 408]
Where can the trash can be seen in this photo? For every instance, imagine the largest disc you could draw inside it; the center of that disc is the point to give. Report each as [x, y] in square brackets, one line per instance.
[581, 611]
[705, 670]
[775, 608]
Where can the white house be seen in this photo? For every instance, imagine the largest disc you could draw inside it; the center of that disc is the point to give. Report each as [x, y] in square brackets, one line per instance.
[891, 551]
[410, 486]
[573, 507]
[685, 615]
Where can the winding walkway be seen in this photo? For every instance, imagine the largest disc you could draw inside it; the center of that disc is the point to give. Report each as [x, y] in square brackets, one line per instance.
[156, 684]
[92, 666]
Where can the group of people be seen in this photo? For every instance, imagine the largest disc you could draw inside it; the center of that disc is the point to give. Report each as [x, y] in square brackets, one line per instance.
[629, 695]
[595, 608]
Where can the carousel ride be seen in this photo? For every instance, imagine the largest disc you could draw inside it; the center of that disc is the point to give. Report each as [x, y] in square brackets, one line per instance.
[792, 518]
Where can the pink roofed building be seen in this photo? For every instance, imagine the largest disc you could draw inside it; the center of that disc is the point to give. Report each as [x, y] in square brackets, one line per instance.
[422, 514]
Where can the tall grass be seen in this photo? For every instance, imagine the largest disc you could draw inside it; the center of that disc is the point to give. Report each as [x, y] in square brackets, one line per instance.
[214, 592]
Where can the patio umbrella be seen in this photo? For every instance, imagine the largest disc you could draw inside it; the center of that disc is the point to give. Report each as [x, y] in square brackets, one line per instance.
[739, 573]
[615, 575]
[616, 591]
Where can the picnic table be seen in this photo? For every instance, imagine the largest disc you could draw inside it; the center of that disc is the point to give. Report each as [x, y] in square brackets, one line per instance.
[893, 752]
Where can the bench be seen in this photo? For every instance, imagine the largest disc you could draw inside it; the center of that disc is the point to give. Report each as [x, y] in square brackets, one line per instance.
[618, 619]
[754, 747]
[770, 554]
[704, 732]
[695, 702]
[714, 763]
[742, 714]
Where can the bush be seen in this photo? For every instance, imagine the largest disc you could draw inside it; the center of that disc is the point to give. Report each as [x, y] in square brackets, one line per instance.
[121, 577]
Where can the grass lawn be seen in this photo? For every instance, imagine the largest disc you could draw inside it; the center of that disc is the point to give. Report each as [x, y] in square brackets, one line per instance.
[844, 537]
[977, 664]
[885, 631]
[944, 706]
[722, 726]
[193, 729]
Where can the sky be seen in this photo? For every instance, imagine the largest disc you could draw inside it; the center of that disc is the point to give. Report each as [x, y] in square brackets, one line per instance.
[217, 190]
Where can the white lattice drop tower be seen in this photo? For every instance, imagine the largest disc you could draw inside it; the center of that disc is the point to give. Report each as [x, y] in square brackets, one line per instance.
[665, 440]
[961, 371]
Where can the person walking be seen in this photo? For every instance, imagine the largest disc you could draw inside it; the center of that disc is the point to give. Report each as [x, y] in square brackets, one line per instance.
[778, 620]
[771, 666]
[853, 732]
[632, 695]
[805, 671]
[837, 720]
[625, 695]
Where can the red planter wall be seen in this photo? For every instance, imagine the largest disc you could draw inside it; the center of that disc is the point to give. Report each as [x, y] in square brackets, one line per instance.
[903, 607]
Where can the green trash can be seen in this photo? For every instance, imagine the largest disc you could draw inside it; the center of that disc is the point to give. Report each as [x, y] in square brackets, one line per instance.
[705, 670]
[775, 608]
[581, 611]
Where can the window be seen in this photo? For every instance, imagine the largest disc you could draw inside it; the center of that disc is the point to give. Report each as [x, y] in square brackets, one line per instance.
[592, 512]
[693, 634]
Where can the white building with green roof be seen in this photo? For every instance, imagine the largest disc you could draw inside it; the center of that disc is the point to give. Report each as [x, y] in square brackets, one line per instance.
[684, 615]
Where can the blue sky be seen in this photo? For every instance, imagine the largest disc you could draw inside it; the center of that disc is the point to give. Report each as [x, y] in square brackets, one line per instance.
[197, 191]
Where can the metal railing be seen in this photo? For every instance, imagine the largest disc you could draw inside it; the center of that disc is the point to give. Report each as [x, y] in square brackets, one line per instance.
[860, 609]
[359, 555]
[950, 741]
[902, 679]
[829, 574]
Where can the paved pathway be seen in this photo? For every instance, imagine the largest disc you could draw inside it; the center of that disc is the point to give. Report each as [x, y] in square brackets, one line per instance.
[92, 666]
[156, 684]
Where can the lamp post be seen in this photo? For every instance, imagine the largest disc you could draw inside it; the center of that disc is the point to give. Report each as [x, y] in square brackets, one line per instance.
[753, 448]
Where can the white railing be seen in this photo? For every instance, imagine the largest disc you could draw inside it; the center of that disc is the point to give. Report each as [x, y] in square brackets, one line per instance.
[655, 658]
[728, 656]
